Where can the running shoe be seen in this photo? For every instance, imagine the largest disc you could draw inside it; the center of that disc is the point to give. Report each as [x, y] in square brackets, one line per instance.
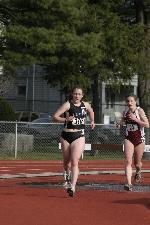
[128, 187]
[66, 184]
[71, 190]
[138, 177]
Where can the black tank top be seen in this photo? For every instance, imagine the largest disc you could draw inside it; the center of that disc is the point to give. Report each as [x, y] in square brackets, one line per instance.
[79, 113]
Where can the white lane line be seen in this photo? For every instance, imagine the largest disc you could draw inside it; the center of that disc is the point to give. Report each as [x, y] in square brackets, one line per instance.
[47, 174]
[35, 169]
[5, 167]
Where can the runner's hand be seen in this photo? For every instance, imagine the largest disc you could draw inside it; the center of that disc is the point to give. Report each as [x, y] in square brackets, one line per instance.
[92, 125]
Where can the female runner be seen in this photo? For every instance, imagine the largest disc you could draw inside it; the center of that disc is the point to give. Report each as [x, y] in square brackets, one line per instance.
[72, 136]
[134, 144]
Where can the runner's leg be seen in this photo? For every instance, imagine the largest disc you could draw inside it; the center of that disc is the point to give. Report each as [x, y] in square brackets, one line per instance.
[77, 148]
[139, 150]
[129, 151]
[65, 147]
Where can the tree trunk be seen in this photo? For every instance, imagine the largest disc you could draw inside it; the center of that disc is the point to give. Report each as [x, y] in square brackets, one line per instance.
[143, 16]
[97, 99]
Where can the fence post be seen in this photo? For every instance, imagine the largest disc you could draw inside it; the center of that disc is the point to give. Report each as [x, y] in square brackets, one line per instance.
[16, 137]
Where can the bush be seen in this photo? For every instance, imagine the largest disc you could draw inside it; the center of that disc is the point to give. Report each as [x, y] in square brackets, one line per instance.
[6, 111]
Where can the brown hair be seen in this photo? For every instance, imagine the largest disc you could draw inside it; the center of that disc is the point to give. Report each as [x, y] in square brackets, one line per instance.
[71, 92]
[77, 87]
[133, 96]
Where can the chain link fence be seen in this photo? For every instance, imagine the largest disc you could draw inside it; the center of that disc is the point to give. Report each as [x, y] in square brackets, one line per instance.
[40, 141]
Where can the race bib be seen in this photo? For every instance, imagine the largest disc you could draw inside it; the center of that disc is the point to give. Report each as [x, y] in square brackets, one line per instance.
[132, 127]
[78, 121]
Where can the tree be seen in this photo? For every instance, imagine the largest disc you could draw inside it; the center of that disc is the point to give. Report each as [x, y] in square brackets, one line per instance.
[137, 13]
[76, 41]
[6, 80]
[122, 45]
[6, 111]
[52, 41]
[71, 39]
[6, 83]
[143, 17]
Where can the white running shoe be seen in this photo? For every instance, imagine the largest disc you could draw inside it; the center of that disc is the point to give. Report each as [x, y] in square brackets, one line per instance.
[66, 184]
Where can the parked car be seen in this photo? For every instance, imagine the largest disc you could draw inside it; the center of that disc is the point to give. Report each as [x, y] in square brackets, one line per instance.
[105, 135]
[43, 129]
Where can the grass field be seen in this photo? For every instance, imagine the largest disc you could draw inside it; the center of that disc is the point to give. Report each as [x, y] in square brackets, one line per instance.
[50, 151]
[40, 155]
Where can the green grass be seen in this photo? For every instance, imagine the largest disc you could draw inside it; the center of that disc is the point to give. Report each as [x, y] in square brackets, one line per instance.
[44, 155]
[50, 151]
[32, 156]
[103, 156]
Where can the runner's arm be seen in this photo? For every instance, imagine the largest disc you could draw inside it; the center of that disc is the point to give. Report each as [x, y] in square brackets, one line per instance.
[90, 113]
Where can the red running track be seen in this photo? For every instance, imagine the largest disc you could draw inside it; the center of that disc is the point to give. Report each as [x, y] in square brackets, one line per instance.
[46, 206]
[33, 205]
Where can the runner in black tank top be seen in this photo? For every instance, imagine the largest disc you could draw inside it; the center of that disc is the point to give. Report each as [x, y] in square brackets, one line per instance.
[72, 136]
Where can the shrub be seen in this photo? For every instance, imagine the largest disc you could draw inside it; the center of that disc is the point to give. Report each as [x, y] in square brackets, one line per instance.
[6, 111]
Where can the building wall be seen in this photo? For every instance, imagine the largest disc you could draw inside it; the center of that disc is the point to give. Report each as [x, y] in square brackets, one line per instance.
[31, 93]
[113, 103]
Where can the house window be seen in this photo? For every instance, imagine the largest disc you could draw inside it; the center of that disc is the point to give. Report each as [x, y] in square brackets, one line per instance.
[21, 90]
